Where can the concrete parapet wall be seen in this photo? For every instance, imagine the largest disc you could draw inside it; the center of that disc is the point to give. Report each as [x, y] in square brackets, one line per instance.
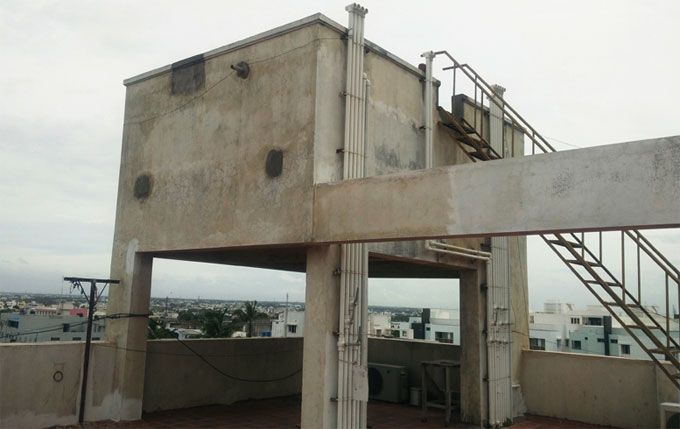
[40, 383]
[594, 389]
[409, 353]
[176, 378]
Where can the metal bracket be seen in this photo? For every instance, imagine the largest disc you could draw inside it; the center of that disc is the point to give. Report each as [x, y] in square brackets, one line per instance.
[242, 69]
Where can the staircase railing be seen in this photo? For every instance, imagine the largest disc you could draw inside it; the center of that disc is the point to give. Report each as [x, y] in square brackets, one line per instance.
[509, 113]
[612, 292]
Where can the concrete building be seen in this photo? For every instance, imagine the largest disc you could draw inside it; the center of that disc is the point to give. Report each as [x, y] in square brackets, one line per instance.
[402, 330]
[42, 327]
[308, 148]
[289, 324]
[379, 325]
[563, 328]
[437, 324]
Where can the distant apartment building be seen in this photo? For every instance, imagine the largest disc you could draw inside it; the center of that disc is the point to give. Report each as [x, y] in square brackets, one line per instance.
[402, 330]
[434, 324]
[380, 325]
[563, 328]
[290, 324]
[33, 328]
[437, 324]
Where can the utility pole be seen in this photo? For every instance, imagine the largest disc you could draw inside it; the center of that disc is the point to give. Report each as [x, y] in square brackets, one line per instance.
[285, 319]
[92, 299]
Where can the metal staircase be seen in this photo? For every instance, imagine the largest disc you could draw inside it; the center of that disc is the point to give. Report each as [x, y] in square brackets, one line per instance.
[651, 330]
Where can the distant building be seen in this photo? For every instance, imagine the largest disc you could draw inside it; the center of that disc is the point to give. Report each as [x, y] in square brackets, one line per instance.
[563, 328]
[294, 326]
[261, 328]
[33, 328]
[81, 312]
[380, 325]
[402, 330]
[187, 333]
[44, 311]
[442, 325]
[437, 324]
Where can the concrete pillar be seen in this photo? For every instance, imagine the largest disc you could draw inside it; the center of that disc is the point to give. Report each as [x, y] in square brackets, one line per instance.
[128, 334]
[320, 359]
[473, 401]
[519, 300]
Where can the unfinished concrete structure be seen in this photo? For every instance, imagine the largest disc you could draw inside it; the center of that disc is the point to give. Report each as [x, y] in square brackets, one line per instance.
[241, 155]
[307, 148]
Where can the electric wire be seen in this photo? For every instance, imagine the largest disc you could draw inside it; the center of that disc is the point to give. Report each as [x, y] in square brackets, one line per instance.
[202, 357]
[222, 79]
[61, 325]
[233, 377]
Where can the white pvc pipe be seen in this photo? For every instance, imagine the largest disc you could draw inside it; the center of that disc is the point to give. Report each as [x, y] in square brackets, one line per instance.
[354, 265]
[428, 106]
[428, 246]
[462, 249]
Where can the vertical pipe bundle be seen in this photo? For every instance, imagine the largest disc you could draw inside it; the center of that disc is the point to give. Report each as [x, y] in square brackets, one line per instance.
[499, 324]
[352, 350]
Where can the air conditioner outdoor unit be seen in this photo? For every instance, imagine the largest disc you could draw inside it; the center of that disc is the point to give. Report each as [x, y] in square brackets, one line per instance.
[670, 415]
[387, 382]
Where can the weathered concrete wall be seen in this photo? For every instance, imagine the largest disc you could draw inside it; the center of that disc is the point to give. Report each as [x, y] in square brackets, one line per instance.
[395, 137]
[594, 389]
[202, 135]
[40, 383]
[205, 149]
[176, 378]
[565, 191]
[409, 353]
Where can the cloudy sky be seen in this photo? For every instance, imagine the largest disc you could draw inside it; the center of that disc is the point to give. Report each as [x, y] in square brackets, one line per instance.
[584, 73]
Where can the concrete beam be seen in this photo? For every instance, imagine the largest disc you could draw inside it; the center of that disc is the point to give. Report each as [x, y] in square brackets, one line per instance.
[606, 187]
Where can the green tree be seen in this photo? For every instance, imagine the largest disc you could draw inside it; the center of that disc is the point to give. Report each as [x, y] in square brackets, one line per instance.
[248, 314]
[216, 324]
[157, 330]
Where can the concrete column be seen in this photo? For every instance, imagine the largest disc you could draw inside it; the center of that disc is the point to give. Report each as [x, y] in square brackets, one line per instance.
[128, 334]
[320, 359]
[519, 300]
[473, 401]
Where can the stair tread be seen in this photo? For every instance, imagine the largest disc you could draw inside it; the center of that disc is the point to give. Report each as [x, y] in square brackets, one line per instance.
[572, 243]
[614, 304]
[478, 155]
[640, 327]
[474, 144]
[671, 349]
[579, 262]
[595, 282]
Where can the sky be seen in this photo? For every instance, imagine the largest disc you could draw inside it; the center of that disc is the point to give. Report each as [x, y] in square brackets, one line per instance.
[584, 73]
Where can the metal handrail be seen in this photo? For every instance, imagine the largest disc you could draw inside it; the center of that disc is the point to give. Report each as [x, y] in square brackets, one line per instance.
[546, 147]
[585, 257]
[655, 254]
[505, 107]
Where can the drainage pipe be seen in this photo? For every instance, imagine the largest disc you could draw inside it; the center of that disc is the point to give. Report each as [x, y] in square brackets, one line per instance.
[354, 264]
[429, 104]
[436, 246]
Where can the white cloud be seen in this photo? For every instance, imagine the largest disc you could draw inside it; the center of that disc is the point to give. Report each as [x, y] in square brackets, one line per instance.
[586, 73]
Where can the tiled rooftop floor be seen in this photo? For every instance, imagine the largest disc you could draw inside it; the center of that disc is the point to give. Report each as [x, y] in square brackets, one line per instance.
[285, 413]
